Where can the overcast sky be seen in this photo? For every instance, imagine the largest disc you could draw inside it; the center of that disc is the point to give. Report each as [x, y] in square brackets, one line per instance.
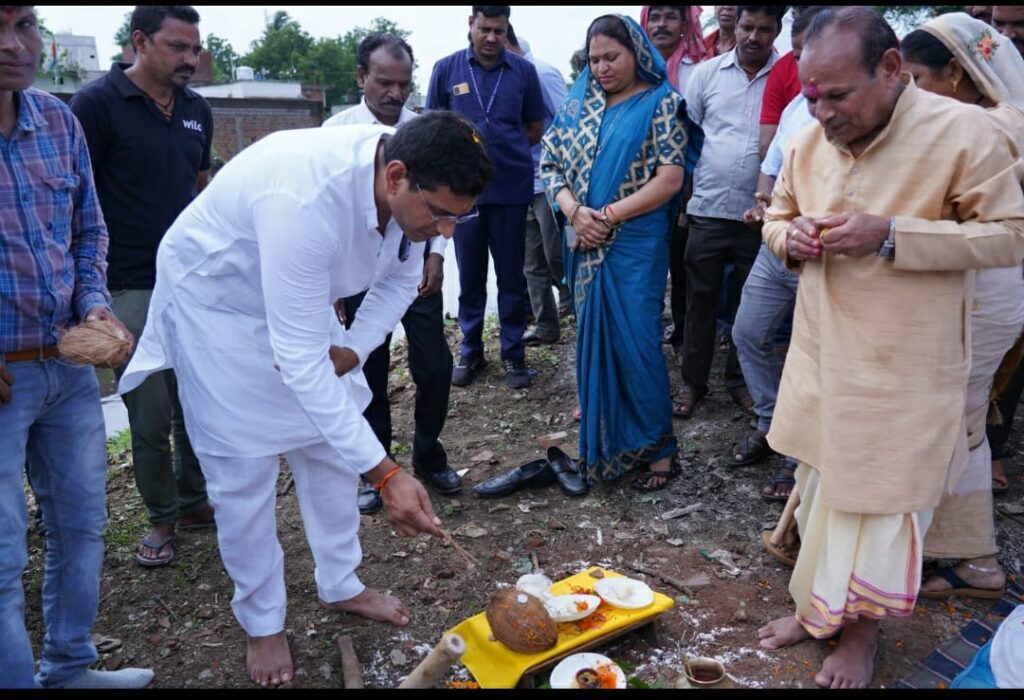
[554, 32]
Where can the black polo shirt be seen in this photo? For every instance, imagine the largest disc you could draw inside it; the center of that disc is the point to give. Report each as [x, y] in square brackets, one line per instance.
[146, 167]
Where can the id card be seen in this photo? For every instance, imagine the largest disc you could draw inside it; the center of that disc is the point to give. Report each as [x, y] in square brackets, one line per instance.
[461, 89]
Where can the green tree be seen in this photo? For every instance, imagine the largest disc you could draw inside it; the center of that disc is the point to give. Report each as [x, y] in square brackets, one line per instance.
[224, 57]
[123, 36]
[287, 52]
[282, 51]
[908, 17]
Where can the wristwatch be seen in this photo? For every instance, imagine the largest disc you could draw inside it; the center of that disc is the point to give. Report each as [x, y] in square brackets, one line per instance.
[888, 249]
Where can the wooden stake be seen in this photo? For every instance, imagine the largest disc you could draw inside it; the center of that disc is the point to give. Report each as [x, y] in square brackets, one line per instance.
[351, 670]
[787, 520]
[441, 658]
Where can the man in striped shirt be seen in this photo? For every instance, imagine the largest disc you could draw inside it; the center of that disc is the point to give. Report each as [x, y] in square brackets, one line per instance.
[53, 244]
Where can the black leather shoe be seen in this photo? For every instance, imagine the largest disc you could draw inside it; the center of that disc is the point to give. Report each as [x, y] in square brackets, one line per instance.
[467, 370]
[567, 472]
[369, 498]
[532, 337]
[444, 481]
[532, 474]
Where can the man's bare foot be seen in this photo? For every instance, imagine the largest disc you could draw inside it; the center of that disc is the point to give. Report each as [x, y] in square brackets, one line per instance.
[784, 632]
[268, 660]
[373, 605]
[993, 580]
[852, 664]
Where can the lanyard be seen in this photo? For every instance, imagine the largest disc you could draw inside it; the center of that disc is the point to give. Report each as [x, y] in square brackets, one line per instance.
[476, 91]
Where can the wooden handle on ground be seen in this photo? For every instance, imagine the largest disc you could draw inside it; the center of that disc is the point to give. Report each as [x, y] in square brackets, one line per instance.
[351, 670]
[786, 519]
[436, 663]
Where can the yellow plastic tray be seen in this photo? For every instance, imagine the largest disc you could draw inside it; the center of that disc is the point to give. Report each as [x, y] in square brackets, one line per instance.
[494, 665]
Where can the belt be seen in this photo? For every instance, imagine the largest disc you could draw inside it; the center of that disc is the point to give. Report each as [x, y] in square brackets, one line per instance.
[39, 354]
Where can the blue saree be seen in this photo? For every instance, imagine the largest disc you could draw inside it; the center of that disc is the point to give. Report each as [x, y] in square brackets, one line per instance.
[604, 154]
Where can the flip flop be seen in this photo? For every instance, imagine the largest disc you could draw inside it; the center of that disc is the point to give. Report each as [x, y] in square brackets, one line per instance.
[999, 481]
[159, 546]
[960, 587]
[753, 449]
[778, 553]
[782, 477]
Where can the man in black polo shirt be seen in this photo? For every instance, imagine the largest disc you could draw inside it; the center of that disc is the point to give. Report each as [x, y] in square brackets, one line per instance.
[149, 137]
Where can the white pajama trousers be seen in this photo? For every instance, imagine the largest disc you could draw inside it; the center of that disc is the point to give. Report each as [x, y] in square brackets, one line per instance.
[243, 492]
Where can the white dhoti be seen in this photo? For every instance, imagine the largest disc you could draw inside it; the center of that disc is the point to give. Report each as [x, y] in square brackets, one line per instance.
[963, 527]
[851, 564]
[243, 494]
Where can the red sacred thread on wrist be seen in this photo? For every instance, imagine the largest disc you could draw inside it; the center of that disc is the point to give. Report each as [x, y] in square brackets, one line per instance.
[380, 486]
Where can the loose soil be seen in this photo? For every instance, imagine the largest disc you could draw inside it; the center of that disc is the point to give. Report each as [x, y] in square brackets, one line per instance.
[177, 620]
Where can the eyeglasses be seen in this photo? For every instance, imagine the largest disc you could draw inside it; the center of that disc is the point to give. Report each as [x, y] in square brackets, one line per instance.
[443, 218]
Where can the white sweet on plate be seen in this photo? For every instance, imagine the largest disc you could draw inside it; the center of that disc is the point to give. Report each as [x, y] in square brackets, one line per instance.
[564, 674]
[569, 608]
[537, 585]
[625, 593]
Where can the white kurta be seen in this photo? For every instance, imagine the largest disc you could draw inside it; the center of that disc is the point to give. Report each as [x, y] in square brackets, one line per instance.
[245, 281]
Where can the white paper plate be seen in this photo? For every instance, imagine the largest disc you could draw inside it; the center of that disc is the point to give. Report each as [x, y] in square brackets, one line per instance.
[625, 593]
[564, 674]
[566, 608]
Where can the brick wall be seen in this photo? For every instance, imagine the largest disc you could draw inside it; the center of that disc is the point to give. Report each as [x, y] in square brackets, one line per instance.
[237, 122]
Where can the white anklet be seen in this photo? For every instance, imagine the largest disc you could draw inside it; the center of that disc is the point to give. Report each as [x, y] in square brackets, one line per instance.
[983, 569]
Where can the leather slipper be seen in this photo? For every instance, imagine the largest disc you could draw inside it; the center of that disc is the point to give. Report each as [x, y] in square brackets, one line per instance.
[567, 472]
[960, 587]
[159, 546]
[778, 553]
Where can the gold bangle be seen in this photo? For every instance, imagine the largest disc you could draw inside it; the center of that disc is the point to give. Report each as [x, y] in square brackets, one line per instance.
[572, 215]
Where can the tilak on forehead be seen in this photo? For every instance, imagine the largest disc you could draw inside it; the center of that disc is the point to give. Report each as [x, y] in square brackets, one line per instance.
[810, 89]
[10, 11]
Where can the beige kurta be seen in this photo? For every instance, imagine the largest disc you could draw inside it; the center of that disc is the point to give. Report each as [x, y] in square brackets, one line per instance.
[873, 390]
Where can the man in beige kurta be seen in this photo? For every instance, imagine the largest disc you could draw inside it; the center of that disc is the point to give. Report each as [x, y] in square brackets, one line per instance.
[883, 206]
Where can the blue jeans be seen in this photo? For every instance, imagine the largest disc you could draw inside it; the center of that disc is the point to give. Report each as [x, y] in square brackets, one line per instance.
[766, 304]
[54, 425]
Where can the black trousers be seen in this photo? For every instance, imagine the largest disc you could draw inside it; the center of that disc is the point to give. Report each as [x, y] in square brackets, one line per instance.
[710, 245]
[430, 364]
[677, 271]
[999, 434]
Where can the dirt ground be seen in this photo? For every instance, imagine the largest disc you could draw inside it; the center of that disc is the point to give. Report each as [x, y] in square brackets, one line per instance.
[178, 621]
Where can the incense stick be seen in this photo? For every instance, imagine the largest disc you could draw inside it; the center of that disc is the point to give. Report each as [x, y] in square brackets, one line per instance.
[470, 559]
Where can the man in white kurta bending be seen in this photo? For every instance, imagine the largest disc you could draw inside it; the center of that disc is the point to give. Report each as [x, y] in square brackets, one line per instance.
[242, 312]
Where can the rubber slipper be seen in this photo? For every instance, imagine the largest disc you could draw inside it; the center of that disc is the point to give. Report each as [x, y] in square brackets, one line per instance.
[778, 553]
[644, 481]
[999, 481]
[159, 546]
[753, 449]
[782, 477]
[960, 587]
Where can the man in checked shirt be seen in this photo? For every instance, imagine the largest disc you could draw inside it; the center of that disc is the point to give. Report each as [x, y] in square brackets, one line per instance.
[53, 245]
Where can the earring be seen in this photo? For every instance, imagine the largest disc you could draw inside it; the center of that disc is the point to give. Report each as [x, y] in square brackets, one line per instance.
[956, 84]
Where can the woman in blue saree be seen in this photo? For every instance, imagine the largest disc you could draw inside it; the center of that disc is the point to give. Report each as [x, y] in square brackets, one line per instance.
[612, 165]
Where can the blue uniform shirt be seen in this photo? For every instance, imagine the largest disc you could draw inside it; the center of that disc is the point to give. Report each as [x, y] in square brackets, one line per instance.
[500, 102]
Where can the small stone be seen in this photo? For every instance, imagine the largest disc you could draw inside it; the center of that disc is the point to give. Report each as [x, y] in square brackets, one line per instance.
[164, 622]
[398, 658]
[165, 652]
[326, 671]
[498, 508]
[204, 613]
[676, 543]
[203, 587]
[429, 584]
[300, 673]
[205, 674]
[446, 574]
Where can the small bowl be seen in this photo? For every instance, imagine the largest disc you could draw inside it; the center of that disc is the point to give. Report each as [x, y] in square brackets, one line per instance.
[569, 608]
[625, 593]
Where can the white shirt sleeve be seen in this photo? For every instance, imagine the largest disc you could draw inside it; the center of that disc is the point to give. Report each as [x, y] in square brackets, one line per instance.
[387, 300]
[294, 271]
[694, 94]
[438, 245]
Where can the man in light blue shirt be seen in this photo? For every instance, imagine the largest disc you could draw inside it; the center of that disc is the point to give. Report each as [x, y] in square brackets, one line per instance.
[768, 300]
[543, 264]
